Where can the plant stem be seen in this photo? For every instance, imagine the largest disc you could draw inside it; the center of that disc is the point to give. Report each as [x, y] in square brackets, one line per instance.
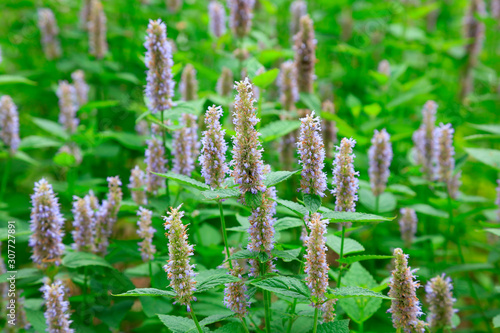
[150, 273]
[193, 315]
[361, 327]
[224, 232]
[245, 327]
[294, 304]
[450, 222]
[315, 327]
[164, 139]
[84, 291]
[5, 177]
[267, 309]
[339, 282]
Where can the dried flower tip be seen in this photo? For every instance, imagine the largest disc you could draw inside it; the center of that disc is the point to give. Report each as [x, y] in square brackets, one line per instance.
[189, 84]
[440, 298]
[408, 225]
[185, 145]
[305, 55]
[67, 106]
[225, 83]
[217, 22]
[81, 87]
[329, 129]
[9, 123]
[98, 45]
[380, 155]
[57, 313]
[423, 138]
[146, 232]
[241, 16]
[137, 185]
[297, 10]
[49, 31]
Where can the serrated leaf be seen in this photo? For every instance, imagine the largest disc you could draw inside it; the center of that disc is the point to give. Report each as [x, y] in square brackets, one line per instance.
[51, 127]
[312, 202]
[265, 79]
[215, 319]
[338, 217]
[37, 142]
[293, 206]
[234, 327]
[285, 286]
[353, 259]
[339, 326]
[287, 223]
[148, 292]
[287, 255]
[82, 259]
[177, 324]
[207, 280]
[222, 193]
[386, 201]
[489, 157]
[277, 129]
[273, 178]
[253, 200]
[185, 180]
[349, 291]
[350, 245]
[244, 254]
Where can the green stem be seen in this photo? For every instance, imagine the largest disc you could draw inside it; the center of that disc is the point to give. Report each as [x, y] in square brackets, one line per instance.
[267, 309]
[245, 327]
[193, 315]
[450, 223]
[339, 282]
[315, 327]
[361, 327]
[294, 304]
[5, 177]
[224, 232]
[150, 273]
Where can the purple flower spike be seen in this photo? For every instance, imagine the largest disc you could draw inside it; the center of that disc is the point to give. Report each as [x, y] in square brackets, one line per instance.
[185, 145]
[380, 155]
[440, 298]
[217, 15]
[146, 232]
[57, 313]
[9, 123]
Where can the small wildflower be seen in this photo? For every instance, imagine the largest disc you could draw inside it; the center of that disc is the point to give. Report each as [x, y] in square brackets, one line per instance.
[241, 16]
[408, 225]
[305, 55]
[138, 182]
[189, 84]
[9, 123]
[380, 155]
[108, 214]
[67, 106]
[50, 33]
[423, 138]
[46, 225]
[440, 298]
[180, 272]
[98, 45]
[84, 224]
[57, 313]
[185, 145]
[384, 67]
[328, 309]
[298, 9]
[217, 22]
[329, 129]
[146, 232]
[445, 158]
[155, 162]
[81, 87]
[225, 83]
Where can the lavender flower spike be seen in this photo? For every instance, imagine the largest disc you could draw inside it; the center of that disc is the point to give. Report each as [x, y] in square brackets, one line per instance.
[155, 162]
[186, 146]
[305, 54]
[329, 129]
[316, 266]
[380, 155]
[312, 156]
[423, 138]
[107, 214]
[137, 184]
[9, 123]
[146, 232]
[408, 225]
[81, 87]
[235, 297]
[225, 82]
[247, 152]
[67, 106]
[298, 9]
[213, 153]
[440, 298]
[47, 226]
[98, 45]
[217, 15]
[405, 306]
[328, 309]
[49, 31]
[287, 81]
[445, 158]
[241, 16]
[57, 314]
[160, 83]
[180, 272]
[189, 84]
[84, 224]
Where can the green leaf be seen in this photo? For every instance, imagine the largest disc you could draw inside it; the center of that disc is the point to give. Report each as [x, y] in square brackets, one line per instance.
[293, 206]
[253, 66]
[51, 127]
[287, 255]
[244, 254]
[387, 201]
[285, 286]
[312, 202]
[311, 101]
[23, 273]
[152, 306]
[37, 142]
[234, 327]
[275, 177]
[353, 259]
[339, 326]
[350, 245]
[148, 292]
[82, 259]
[253, 200]
[277, 129]
[495, 129]
[15, 79]
[429, 210]
[496, 321]
[265, 79]
[222, 193]
[338, 217]
[215, 318]
[185, 180]
[37, 320]
[402, 189]
[493, 231]
[177, 324]
[209, 279]
[98, 105]
[349, 291]
[64, 159]
[287, 223]
[489, 157]
[128, 140]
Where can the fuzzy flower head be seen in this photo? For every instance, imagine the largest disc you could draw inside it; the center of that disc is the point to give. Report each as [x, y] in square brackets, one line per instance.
[312, 156]
[47, 226]
[384, 67]
[9, 123]
[81, 87]
[298, 9]
[50, 33]
[67, 106]
[380, 155]
[247, 152]
[137, 185]
[108, 214]
[241, 16]
[235, 297]
[329, 129]
[344, 177]
[445, 158]
[213, 153]
[405, 306]
[84, 224]
[316, 266]
[180, 272]
[57, 313]
[217, 15]
[185, 145]
[328, 309]
[305, 55]
[146, 232]
[160, 83]
[408, 225]
[155, 162]
[440, 298]
[225, 82]
[98, 45]
[189, 84]
[287, 81]
[423, 138]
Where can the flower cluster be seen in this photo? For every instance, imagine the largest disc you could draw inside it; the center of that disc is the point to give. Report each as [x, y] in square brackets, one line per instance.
[160, 83]
[445, 158]
[328, 309]
[298, 9]
[49, 31]
[440, 298]
[155, 162]
[312, 156]
[316, 266]
[241, 16]
[84, 224]
[81, 87]
[405, 306]
[225, 83]
[408, 225]
[329, 129]
[137, 184]
[185, 145]
[9, 123]
[67, 106]
[108, 213]
[235, 297]
[305, 54]
[380, 155]
[217, 15]
[57, 314]
[189, 84]
[423, 138]
[287, 81]
[180, 272]
[213, 153]
[98, 45]
[146, 232]
[46, 225]
[247, 152]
